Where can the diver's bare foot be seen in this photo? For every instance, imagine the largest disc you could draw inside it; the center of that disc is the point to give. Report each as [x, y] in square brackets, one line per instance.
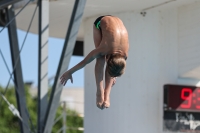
[106, 103]
[100, 99]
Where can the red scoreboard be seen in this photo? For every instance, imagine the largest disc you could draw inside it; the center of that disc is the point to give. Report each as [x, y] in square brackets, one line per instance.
[181, 111]
[182, 98]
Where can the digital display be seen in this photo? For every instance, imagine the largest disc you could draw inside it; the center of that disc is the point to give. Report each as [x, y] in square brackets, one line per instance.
[182, 98]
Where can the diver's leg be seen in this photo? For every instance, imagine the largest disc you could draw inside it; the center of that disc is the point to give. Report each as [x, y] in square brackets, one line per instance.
[109, 82]
[99, 69]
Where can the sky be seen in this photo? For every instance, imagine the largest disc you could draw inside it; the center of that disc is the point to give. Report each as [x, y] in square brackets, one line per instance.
[29, 59]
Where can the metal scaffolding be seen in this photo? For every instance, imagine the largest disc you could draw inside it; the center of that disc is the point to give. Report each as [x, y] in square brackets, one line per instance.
[68, 47]
[46, 114]
[14, 48]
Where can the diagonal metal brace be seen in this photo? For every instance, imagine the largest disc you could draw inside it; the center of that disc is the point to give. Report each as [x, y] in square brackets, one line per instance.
[64, 62]
[19, 84]
[5, 3]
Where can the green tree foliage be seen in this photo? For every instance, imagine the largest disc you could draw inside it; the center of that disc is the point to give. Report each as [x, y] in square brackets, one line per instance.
[10, 124]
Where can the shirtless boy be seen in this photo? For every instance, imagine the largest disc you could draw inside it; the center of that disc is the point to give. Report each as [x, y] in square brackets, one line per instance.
[111, 46]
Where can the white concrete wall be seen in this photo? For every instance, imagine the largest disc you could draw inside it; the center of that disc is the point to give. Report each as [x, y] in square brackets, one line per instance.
[189, 41]
[136, 99]
[74, 98]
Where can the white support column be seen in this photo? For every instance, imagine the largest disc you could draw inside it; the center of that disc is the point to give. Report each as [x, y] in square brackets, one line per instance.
[43, 62]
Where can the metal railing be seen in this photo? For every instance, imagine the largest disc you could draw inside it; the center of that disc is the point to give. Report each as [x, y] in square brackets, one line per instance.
[64, 116]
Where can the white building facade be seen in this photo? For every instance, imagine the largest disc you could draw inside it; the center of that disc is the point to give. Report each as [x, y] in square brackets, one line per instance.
[164, 48]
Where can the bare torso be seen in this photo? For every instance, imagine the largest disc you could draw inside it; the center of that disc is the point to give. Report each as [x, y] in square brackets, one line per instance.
[114, 36]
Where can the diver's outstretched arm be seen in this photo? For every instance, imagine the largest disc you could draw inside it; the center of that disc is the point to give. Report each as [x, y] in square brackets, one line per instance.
[96, 53]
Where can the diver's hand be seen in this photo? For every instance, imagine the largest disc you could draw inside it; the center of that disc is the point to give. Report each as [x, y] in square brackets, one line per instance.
[114, 81]
[67, 75]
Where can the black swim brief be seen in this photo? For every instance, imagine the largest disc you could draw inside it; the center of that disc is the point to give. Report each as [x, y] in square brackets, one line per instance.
[98, 21]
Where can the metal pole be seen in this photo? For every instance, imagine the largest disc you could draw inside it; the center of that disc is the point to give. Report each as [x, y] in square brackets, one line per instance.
[42, 61]
[14, 48]
[64, 117]
[68, 47]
